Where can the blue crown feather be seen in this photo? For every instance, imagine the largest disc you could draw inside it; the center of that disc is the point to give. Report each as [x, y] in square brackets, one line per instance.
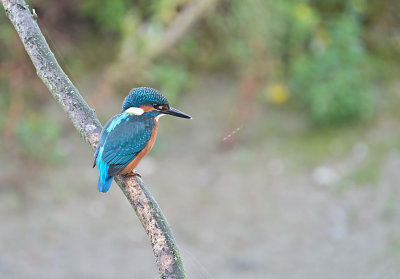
[144, 96]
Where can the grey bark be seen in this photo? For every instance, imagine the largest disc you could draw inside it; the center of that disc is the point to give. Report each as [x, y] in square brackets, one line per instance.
[85, 121]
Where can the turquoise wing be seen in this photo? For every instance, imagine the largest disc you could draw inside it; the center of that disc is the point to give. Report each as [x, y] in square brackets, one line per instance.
[125, 135]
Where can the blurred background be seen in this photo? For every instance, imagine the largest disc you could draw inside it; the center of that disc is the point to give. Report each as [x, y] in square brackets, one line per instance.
[289, 168]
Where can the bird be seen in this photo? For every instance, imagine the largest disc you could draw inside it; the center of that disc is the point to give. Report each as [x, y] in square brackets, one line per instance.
[129, 136]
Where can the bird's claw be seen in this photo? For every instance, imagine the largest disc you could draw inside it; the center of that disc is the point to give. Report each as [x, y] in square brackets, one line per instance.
[134, 173]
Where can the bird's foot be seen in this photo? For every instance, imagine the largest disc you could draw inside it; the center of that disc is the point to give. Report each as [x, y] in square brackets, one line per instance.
[134, 173]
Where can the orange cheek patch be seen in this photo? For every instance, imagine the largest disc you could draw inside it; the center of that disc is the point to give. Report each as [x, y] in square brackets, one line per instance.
[147, 108]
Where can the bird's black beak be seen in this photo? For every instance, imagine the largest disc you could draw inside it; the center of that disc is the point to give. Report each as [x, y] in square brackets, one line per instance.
[175, 112]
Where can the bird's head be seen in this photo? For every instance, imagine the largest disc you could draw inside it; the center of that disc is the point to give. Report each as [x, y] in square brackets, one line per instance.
[145, 99]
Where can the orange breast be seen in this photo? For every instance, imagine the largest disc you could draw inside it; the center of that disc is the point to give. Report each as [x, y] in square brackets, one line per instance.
[132, 165]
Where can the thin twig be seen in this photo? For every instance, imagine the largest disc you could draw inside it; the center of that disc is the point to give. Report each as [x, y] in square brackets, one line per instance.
[85, 121]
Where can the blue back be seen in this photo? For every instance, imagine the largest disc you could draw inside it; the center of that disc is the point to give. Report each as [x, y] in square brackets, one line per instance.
[122, 138]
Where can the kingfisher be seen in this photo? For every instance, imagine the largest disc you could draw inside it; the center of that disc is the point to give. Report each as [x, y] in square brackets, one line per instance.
[129, 136]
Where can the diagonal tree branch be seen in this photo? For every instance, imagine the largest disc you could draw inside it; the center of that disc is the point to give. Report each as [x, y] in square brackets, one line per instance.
[85, 121]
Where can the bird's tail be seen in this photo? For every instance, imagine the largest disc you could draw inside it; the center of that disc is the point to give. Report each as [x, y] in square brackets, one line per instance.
[104, 183]
[104, 179]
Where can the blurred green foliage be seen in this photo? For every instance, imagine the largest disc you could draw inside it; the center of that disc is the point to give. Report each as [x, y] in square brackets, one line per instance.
[334, 77]
[108, 14]
[171, 78]
[38, 137]
[320, 54]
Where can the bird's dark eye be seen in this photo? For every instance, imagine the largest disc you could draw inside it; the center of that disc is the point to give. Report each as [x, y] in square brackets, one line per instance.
[158, 107]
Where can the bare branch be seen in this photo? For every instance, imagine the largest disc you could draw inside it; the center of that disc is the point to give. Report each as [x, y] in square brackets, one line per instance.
[85, 121]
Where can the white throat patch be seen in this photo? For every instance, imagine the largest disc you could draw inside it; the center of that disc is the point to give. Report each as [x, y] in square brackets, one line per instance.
[159, 116]
[134, 110]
